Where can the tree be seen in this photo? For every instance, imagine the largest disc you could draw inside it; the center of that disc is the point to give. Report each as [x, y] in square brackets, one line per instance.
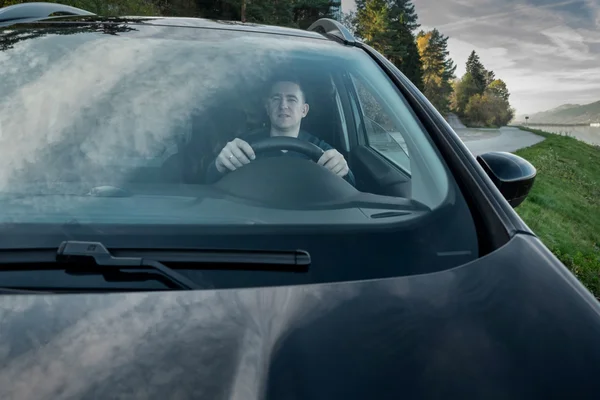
[489, 78]
[438, 68]
[292, 13]
[465, 88]
[488, 110]
[498, 88]
[403, 14]
[305, 12]
[477, 71]
[188, 8]
[372, 23]
[478, 111]
[349, 21]
[387, 25]
[404, 52]
[481, 99]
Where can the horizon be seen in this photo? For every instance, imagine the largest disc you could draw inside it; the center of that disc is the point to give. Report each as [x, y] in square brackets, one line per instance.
[547, 51]
[559, 106]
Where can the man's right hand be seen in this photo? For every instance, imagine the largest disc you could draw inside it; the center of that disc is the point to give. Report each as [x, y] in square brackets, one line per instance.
[234, 155]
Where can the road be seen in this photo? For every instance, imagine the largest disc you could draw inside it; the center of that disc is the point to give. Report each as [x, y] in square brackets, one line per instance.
[504, 139]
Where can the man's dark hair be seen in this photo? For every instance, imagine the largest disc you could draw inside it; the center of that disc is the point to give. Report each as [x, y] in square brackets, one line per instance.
[286, 78]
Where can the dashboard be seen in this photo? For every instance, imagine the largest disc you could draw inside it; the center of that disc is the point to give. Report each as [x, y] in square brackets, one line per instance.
[273, 191]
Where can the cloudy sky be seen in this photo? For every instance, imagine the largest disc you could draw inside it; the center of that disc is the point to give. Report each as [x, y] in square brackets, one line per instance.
[547, 51]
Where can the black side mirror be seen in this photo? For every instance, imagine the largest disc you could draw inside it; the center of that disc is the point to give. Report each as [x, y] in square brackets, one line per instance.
[512, 175]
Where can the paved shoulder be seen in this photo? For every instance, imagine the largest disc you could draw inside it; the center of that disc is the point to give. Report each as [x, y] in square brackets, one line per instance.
[506, 139]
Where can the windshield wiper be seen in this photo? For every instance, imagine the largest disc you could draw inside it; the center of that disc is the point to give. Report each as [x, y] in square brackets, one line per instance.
[74, 251]
[4, 290]
[85, 258]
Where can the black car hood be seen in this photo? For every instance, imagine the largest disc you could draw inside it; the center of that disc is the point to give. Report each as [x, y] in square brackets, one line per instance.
[514, 324]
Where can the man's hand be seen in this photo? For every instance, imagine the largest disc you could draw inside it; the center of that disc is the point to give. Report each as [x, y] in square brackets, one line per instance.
[334, 161]
[234, 155]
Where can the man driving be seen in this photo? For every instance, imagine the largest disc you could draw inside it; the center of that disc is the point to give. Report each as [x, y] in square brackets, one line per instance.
[286, 106]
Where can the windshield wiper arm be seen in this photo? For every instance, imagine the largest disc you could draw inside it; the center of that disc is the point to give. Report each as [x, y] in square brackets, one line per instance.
[83, 258]
[74, 251]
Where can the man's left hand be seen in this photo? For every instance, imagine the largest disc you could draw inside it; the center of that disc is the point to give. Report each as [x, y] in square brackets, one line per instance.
[334, 161]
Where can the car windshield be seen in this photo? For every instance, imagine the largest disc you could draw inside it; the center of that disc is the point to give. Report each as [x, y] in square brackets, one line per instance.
[120, 125]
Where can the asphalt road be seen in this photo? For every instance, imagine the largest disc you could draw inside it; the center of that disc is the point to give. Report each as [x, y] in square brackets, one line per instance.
[504, 139]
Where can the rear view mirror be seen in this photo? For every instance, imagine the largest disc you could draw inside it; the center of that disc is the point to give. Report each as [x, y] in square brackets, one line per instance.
[512, 175]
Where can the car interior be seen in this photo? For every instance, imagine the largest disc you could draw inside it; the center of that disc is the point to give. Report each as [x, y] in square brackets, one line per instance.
[335, 116]
[342, 232]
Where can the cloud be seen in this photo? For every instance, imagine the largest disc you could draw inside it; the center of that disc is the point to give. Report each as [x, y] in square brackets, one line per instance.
[106, 100]
[546, 51]
[204, 342]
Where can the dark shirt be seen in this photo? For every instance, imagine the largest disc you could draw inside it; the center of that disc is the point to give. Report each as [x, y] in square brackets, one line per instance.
[213, 174]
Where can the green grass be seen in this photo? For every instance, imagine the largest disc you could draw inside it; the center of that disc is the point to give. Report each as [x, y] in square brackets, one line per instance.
[563, 207]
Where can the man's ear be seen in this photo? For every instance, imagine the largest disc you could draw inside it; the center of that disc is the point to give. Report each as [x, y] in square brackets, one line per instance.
[305, 109]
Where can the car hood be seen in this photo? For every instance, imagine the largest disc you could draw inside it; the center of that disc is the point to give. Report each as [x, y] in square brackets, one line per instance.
[495, 328]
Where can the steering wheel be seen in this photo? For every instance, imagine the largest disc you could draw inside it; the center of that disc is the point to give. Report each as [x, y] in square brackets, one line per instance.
[310, 150]
[286, 182]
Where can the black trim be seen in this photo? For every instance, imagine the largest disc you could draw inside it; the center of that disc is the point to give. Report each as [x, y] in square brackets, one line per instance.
[493, 230]
[361, 134]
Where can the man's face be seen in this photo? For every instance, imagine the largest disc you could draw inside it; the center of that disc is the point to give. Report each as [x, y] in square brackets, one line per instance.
[286, 106]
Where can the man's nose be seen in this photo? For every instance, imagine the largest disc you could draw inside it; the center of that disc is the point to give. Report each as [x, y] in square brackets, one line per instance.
[283, 104]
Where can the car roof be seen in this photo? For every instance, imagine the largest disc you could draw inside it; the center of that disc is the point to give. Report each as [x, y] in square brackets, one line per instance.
[222, 25]
[26, 13]
[183, 22]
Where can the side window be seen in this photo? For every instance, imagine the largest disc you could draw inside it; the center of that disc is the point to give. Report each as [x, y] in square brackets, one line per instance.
[381, 133]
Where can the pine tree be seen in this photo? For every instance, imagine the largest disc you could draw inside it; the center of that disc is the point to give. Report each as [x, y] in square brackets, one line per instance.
[387, 25]
[402, 12]
[438, 68]
[293, 13]
[465, 88]
[489, 78]
[404, 52]
[372, 23]
[477, 71]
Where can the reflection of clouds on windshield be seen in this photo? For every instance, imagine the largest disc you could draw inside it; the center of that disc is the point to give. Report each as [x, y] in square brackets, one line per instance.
[117, 98]
[41, 112]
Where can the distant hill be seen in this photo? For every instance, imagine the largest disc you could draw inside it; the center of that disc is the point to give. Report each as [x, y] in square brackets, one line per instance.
[565, 114]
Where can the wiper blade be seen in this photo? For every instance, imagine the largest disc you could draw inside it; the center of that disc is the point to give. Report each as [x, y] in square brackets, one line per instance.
[202, 259]
[74, 251]
[132, 265]
[254, 260]
[6, 290]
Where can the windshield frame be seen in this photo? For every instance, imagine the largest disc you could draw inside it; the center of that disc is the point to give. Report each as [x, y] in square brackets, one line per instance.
[495, 220]
[449, 194]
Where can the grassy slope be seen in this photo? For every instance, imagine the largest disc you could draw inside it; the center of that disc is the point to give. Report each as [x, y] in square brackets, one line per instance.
[563, 208]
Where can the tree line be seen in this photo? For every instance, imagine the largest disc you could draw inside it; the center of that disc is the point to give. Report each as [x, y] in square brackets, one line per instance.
[390, 26]
[290, 13]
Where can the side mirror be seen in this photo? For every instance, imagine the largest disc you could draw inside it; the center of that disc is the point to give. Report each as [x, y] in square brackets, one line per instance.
[512, 175]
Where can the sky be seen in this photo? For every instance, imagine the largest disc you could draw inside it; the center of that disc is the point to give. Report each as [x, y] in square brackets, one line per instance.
[547, 51]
